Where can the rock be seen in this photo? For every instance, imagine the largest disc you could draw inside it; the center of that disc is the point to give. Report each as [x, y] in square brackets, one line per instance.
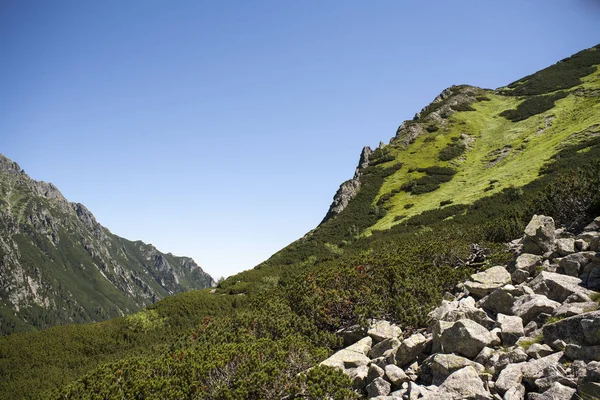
[538, 350]
[583, 329]
[382, 329]
[512, 356]
[551, 375]
[533, 369]
[436, 368]
[571, 309]
[461, 309]
[509, 377]
[593, 226]
[571, 268]
[379, 387]
[529, 306]
[558, 345]
[585, 353]
[380, 348]
[556, 392]
[344, 359]
[528, 262]
[557, 287]
[363, 346]
[539, 235]
[358, 376]
[519, 276]
[374, 373]
[591, 276]
[582, 258]
[409, 349]
[351, 334]
[530, 327]
[564, 247]
[436, 331]
[487, 356]
[579, 369]
[465, 337]
[414, 391]
[461, 385]
[593, 371]
[581, 245]
[485, 282]
[511, 327]
[515, 393]
[499, 301]
[396, 376]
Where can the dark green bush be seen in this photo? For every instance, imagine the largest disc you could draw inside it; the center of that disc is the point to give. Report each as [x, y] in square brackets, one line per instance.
[533, 106]
[452, 151]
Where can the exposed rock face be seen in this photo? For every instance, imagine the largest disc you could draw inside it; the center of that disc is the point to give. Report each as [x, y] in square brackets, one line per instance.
[482, 350]
[57, 260]
[539, 235]
[348, 189]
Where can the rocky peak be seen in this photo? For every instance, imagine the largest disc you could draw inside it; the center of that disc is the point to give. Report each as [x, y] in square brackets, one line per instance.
[348, 190]
[10, 167]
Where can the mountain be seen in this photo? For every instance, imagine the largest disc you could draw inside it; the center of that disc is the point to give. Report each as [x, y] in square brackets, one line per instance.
[58, 265]
[422, 213]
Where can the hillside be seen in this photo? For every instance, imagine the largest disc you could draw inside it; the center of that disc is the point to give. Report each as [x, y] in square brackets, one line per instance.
[58, 265]
[424, 212]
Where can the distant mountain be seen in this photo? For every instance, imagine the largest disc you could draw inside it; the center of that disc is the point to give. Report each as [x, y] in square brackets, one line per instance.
[58, 265]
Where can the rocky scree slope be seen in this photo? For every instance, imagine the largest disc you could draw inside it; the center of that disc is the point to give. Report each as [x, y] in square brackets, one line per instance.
[58, 265]
[529, 329]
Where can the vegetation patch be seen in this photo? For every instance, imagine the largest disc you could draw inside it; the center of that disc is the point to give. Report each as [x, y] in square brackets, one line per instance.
[431, 181]
[533, 106]
[452, 151]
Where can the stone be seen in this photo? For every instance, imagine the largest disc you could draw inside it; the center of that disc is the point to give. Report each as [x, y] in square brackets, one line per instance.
[511, 328]
[509, 377]
[581, 245]
[589, 390]
[374, 372]
[538, 350]
[358, 376]
[551, 375]
[520, 276]
[582, 258]
[585, 353]
[571, 268]
[515, 393]
[414, 391]
[396, 376]
[466, 338]
[593, 371]
[530, 306]
[461, 309]
[382, 329]
[461, 385]
[485, 282]
[344, 359]
[564, 247]
[379, 387]
[352, 334]
[593, 226]
[436, 330]
[382, 347]
[487, 356]
[499, 301]
[363, 346]
[556, 392]
[528, 262]
[591, 276]
[512, 356]
[533, 369]
[437, 367]
[539, 235]
[583, 329]
[557, 287]
[571, 309]
[410, 348]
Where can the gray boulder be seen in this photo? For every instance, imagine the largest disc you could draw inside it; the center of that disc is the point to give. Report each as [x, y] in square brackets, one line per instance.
[591, 276]
[571, 309]
[396, 376]
[465, 337]
[363, 346]
[437, 367]
[553, 374]
[466, 308]
[534, 369]
[538, 350]
[379, 387]
[463, 384]
[509, 377]
[528, 307]
[511, 327]
[583, 329]
[374, 373]
[556, 392]
[485, 282]
[519, 276]
[557, 287]
[585, 353]
[382, 347]
[358, 376]
[564, 247]
[410, 348]
[515, 393]
[528, 262]
[344, 359]
[539, 235]
[382, 329]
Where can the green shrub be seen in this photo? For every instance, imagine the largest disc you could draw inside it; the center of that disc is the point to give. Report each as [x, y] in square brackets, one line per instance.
[452, 151]
[533, 106]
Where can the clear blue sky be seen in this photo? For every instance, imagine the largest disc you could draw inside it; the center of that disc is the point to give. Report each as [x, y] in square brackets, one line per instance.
[221, 130]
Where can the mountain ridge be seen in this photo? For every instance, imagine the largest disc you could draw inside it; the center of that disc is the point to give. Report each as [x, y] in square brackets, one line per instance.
[59, 265]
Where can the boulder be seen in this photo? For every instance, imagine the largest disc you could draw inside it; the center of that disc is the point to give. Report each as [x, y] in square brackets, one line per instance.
[519, 276]
[582, 258]
[466, 308]
[382, 329]
[409, 349]
[358, 376]
[363, 346]
[556, 392]
[581, 245]
[553, 374]
[500, 300]
[344, 359]
[533, 369]
[509, 377]
[379, 387]
[512, 356]
[511, 328]
[528, 262]
[436, 368]
[396, 376]
[382, 347]
[539, 235]
[583, 329]
[571, 309]
[585, 353]
[591, 276]
[538, 350]
[465, 337]
[374, 373]
[461, 385]
[528, 307]
[352, 334]
[564, 247]
[557, 287]
[485, 282]
[515, 393]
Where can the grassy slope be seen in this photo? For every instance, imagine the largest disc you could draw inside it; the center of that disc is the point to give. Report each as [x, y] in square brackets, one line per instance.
[529, 151]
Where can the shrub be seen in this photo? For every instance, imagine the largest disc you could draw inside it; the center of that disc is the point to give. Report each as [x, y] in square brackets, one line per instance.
[445, 202]
[452, 151]
[532, 106]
